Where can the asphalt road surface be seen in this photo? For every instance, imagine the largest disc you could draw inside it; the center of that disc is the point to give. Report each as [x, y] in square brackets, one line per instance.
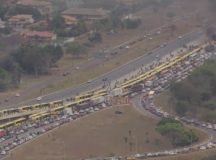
[119, 72]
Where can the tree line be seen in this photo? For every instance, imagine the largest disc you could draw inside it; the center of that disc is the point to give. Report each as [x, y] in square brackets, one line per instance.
[27, 59]
[176, 132]
[197, 93]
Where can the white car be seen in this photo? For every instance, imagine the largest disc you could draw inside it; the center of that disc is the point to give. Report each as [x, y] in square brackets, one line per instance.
[14, 144]
[17, 95]
[96, 109]
[7, 148]
[3, 152]
[39, 98]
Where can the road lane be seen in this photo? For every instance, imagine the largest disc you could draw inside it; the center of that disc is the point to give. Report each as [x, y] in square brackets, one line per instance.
[121, 71]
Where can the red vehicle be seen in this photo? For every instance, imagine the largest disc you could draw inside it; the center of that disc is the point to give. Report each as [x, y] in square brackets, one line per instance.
[2, 133]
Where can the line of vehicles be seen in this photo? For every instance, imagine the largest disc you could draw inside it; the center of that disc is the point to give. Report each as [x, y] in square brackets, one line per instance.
[45, 106]
[53, 114]
[97, 96]
[179, 72]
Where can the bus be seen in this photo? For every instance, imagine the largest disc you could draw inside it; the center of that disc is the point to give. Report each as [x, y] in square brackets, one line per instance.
[56, 103]
[13, 123]
[7, 112]
[26, 108]
[40, 116]
[83, 96]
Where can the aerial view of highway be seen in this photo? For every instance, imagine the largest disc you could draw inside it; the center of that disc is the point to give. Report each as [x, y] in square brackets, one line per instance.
[107, 80]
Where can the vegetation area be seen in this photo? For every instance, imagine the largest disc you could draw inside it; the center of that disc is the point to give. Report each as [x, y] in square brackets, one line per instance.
[36, 59]
[3, 11]
[210, 158]
[113, 22]
[196, 95]
[57, 24]
[28, 59]
[176, 132]
[20, 9]
[211, 32]
[76, 49]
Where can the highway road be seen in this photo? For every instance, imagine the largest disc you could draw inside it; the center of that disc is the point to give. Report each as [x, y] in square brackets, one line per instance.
[120, 71]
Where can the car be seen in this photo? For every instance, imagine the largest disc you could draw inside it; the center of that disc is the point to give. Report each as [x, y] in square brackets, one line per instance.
[3, 152]
[96, 109]
[65, 74]
[17, 95]
[39, 98]
[127, 47]
[14, 144]
[7, 148]
[158, 32]
[89, 81]
[77, 68]
[179, 37]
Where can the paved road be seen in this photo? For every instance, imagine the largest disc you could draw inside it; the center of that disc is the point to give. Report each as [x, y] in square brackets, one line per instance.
[121, 71]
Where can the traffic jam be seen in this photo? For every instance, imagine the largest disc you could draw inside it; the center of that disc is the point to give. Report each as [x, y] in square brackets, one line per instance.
[160, 83]
[24, 131]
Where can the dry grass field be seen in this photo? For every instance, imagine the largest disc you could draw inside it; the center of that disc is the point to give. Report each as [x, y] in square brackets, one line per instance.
[101, 134]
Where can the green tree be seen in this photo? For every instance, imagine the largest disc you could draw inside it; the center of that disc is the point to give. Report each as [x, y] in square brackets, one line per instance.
[9, 65]
[210, 158]
[57, 22]
[95, 37]
[76, 30]
[173, 28]
[3, 11]
[55, 52]
[176, 132]
[20, 9]
[7, 30]
[170, 15]
[76, 49]
[37, 60]
[212, 5]
[131, 23]
[211, 33]
[5, 80]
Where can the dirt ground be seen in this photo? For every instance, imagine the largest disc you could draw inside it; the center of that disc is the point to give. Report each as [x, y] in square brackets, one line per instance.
[100, 134]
